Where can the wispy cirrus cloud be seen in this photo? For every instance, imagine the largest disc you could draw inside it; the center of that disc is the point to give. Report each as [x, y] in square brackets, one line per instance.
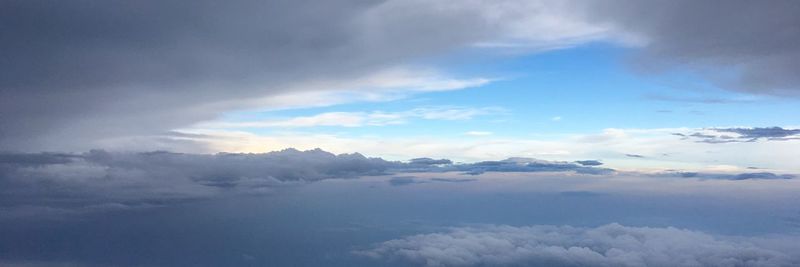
[359, 119]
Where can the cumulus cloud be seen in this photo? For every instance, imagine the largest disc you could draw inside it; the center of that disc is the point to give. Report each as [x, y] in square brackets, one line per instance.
[608, 245]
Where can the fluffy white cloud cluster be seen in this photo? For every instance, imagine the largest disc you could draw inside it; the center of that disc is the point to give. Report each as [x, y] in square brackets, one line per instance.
[608, 245]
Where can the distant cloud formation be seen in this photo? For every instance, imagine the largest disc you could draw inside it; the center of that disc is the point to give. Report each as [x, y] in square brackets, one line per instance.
[739, 135]
[738, 176]
[607, 245]
[430, 161]
[526, 165]
[44, 182]
[98, 180]
[403, 180]
[589, 162]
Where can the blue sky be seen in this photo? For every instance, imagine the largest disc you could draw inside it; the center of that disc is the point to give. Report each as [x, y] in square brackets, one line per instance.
[526, 96]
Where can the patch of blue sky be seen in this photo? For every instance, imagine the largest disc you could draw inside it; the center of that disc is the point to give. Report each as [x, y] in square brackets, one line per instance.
[588, 88]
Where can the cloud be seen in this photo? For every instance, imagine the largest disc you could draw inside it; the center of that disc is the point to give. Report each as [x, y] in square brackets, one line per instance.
[384, 85]
[145, 67]
[634, 156]
[77, 183]
[430, 161]
[589, 162]
[741, 45]
[739, 135]
[478, 133]
[768, 132]
[524, 165]
[403, 180]
[359, 119]
[98, 180]
[90, 75]
[607, 245]
[453, 180]
[725, 176]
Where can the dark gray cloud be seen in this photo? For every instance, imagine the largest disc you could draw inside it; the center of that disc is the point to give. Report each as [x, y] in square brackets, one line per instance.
[430, 161]
[724, 176]
[738, 135]
[524, 165]
[83, 70]
[403, 180]
[767, 132]
[589, 162]
[750, 46]
[634, 156]
[454, 180]
[608, 245]
[100, 180]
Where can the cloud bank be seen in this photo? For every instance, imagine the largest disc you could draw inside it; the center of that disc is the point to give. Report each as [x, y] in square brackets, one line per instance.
[98, 180]
[608, 245]
[70, 183]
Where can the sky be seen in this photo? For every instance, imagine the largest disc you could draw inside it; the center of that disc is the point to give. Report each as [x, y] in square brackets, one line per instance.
[399, 133]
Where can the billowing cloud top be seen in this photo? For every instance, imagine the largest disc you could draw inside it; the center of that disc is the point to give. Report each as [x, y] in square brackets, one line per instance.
[608, 245]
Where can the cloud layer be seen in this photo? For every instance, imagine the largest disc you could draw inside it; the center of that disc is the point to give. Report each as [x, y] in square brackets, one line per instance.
[608, 245]
[83, 71]
[70, 183]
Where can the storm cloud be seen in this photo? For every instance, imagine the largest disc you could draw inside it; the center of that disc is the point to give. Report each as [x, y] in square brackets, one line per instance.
[608, 245]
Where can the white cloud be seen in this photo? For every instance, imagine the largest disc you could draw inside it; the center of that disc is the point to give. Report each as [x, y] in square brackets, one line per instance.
[358, 119]
[384, 85]
[608, 245]
[478, 133]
